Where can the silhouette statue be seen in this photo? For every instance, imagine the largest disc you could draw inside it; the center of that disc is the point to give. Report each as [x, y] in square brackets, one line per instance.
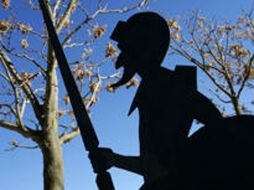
[216, 157]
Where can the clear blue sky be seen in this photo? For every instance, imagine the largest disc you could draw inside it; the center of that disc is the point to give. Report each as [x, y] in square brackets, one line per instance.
[22, 169]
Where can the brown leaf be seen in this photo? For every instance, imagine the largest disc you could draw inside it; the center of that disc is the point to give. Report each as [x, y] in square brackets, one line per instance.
[98, 31]
[66, 23]
[61, 113]
[110, 50]
[6, 3]
[95, 87]
[71, 114]
[5, 26]
[173, 24]
[133, 82]
[109, 88]
[24, 43]
[66, 99]
[23, 28]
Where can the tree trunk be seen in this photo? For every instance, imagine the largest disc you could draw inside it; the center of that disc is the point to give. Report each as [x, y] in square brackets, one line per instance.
[236, 105]
[51, 146]
[53, 171]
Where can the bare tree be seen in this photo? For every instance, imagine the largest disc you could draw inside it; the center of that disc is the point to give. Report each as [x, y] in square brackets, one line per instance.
[222, 50]
[30, 88]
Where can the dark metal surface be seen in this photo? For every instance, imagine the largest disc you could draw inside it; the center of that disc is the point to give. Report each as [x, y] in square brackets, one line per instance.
[88, 134]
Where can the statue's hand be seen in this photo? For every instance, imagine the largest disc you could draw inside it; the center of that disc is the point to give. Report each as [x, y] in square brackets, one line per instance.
[102, 159]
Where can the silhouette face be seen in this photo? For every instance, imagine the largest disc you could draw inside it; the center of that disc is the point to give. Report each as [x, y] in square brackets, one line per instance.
[134, 59]
[143, 41]
[120, 60]
[125, 60]
[127, 55]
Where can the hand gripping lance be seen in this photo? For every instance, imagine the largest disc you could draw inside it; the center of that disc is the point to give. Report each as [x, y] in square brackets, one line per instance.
[90, 140]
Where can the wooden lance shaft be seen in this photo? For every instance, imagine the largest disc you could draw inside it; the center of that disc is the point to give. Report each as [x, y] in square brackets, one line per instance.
[90, 140]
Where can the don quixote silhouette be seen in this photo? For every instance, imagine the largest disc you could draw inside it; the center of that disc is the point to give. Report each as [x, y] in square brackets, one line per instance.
[217, 157]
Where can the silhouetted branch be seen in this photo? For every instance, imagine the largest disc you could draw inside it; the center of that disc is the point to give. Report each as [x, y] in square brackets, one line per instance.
[246, 75]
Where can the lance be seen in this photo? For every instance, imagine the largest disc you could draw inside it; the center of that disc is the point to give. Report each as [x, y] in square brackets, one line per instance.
[90, 140]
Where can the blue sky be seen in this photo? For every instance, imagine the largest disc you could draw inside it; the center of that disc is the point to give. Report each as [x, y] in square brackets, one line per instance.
[22, 169]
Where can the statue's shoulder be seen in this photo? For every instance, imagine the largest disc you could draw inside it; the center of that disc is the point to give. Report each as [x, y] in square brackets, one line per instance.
[187, 75]
[166, 83]
[182, 75]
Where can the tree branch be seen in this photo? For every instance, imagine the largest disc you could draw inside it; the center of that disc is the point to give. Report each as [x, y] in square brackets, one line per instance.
[65, 16]
[196, 62]
[246, 76]
[101, 11]
[15, 145]
[64, 138]
[26, 57]
[24, 131]
[25, 87]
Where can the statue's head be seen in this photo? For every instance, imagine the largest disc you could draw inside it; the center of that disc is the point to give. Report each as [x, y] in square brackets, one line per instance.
[143, 41]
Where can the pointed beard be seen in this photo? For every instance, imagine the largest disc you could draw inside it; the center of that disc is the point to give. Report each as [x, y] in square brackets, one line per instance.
[128, 72]
[127, 76]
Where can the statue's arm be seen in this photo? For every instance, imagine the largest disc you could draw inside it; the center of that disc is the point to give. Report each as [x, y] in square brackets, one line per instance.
[146, 165]
[130, 163]
[111, 159]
